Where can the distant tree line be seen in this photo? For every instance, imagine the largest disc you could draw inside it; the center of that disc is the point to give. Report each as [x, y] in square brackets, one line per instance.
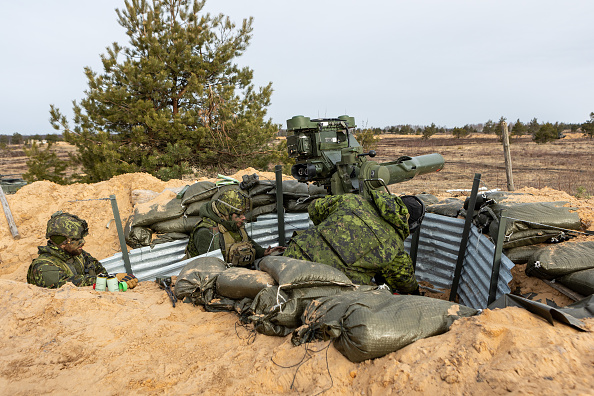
[17, 138]
[540, 132]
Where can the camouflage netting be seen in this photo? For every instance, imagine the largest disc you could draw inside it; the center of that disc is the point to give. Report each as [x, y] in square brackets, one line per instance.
[176, 212]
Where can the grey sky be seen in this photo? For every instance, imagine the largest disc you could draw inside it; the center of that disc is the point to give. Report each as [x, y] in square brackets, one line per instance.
[383, 62]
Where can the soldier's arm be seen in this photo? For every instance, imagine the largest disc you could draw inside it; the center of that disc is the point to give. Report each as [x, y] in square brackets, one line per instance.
[45, 274]
[259, 249]
[323, 207]
[92, 266]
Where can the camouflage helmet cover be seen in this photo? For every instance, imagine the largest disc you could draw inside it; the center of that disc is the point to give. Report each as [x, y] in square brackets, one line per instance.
[231, 202]
[66, 224]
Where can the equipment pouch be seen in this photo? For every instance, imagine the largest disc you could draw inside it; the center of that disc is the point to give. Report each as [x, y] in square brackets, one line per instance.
[242, 254]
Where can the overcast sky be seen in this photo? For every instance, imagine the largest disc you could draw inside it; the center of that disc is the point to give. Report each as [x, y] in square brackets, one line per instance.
[450, 62]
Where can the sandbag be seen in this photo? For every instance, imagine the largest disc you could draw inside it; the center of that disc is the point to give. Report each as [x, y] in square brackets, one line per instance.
[262, 200]
[261, 187]
[197, 280]
[581, 282]
[292, 273]
[370, 324]
[165, 207]
[558, 260]
[253, 214]
[199, 191]
[193, 209]
[296, 206]
[183, 224]
[535, 216]
[277, 312]
[428, 199]
[534, 236]
[139, 237]
[450, 207]
[522, 254]
[238, 283]
[168, 237]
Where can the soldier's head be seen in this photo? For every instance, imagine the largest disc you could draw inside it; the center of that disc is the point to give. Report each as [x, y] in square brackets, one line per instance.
[232, 205]
[67, 231]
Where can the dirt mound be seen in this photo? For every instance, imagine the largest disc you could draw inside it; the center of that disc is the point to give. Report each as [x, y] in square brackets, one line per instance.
[137, 343]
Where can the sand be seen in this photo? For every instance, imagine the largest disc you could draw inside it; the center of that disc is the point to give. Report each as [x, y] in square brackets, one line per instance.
[57, 341]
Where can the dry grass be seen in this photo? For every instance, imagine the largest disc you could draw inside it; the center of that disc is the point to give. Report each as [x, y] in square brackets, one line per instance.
[565, 165]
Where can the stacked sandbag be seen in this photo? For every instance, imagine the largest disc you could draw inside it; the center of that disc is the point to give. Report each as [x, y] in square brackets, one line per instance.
[172, 215]
[370, 324]
[297, 196]
[450, 207]
[558, 260]
[581, 282]
[277, 310]
[197, 280]
[528, 223]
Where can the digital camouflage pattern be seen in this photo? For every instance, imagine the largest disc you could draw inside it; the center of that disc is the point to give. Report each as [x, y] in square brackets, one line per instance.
[66, 224]
[54, 267]
[231, 202]
[361, 238]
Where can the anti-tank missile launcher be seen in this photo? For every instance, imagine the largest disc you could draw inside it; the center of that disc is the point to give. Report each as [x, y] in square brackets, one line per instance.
[327, 153]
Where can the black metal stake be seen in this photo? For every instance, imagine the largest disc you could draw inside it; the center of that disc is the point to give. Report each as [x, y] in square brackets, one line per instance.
[280, 213]
[414, 245]
[465, 233]
[497, 258]
[118, 221]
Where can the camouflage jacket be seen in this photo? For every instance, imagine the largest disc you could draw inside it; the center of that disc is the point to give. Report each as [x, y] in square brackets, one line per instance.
[54, 267]
[359, 237]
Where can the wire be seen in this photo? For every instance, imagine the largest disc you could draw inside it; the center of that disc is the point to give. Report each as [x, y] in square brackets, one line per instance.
[307, 356]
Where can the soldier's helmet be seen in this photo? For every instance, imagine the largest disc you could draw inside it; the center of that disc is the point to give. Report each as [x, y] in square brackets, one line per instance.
[66, 225]
[232, 202]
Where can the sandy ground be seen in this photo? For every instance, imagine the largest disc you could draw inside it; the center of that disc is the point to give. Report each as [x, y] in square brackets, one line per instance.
[137, 343]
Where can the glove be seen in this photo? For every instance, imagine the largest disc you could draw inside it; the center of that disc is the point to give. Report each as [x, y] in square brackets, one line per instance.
[130, 279]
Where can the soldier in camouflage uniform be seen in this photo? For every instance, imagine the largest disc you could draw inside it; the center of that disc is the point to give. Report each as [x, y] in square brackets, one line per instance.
[364, 239]
[222, 227]
[63, 260]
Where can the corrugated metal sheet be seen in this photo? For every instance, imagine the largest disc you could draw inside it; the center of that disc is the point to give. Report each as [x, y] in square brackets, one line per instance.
[439, 244]
[165, 259]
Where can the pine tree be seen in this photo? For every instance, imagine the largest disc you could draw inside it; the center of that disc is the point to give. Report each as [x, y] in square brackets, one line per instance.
[173, 100]
[429, 131]
[546, 133]
[45, 164]
[588, 126]
[533, 127]
[16, 138]
[519, 129]
[489, 127]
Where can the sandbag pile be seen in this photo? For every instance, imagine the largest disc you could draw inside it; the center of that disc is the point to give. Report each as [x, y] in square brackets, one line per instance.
[571, 264]
[316, 301]
[173, 215]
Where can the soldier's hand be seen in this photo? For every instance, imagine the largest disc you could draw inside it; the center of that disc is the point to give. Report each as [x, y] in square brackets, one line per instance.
[272, 250]
[130, 279]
